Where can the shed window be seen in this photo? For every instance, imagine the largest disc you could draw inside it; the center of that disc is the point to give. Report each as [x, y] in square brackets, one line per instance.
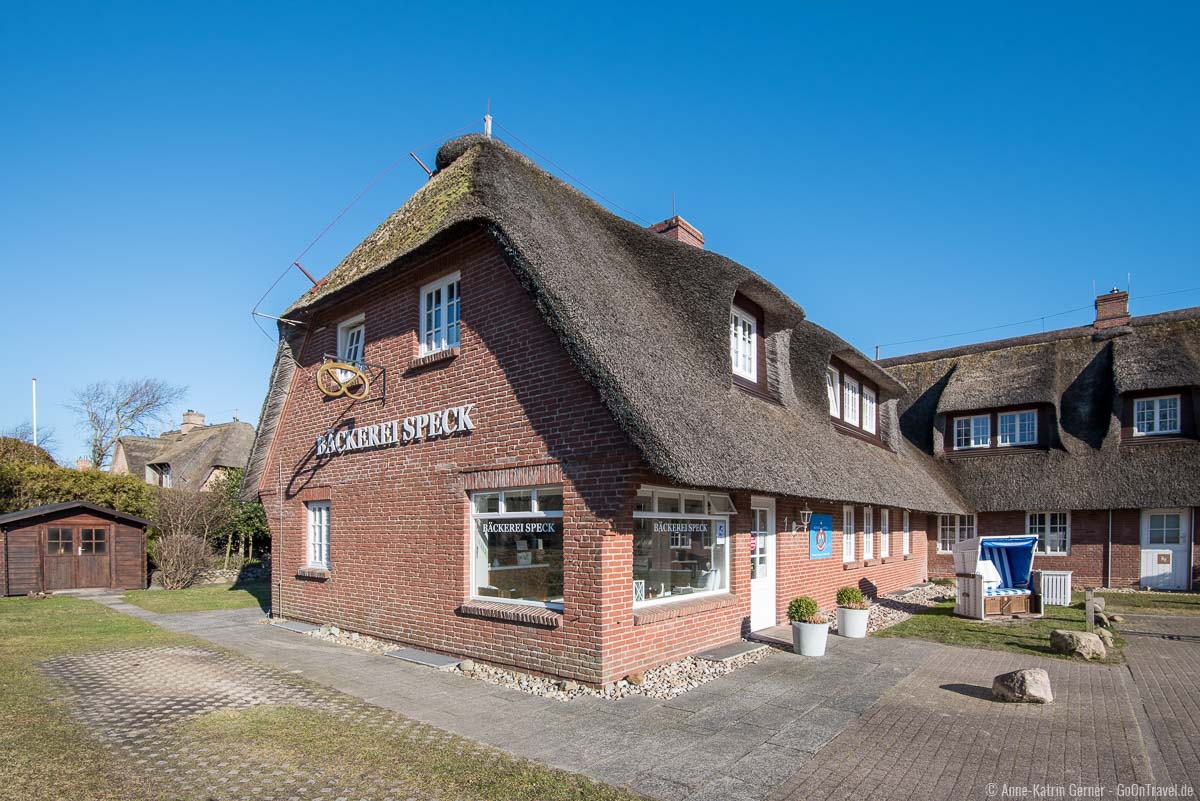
[743, 345]
[1053, 530]
[59, 542]
[972, 432]
[1156, 416]
[93, 541]
[517, 546]
[953, 529]
[680, 545]
[441, 323]
[318, 534]
[1017, 428]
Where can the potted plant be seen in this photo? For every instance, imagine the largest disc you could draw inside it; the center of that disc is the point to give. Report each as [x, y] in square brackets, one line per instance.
[852, 612]
[810, 629]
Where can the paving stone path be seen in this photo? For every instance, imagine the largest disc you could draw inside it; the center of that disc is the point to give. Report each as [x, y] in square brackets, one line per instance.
[874, 719]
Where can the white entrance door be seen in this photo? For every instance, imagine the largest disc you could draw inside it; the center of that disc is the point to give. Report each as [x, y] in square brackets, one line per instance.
[1165, 540]
[762, 564]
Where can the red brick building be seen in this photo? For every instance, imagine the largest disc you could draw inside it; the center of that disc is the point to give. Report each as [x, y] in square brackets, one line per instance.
[1085, 437]
[570, 444]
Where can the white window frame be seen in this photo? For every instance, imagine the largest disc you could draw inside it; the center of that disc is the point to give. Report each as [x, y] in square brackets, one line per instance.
[317, 547]
[885, 533]
[833, 387]
[868, 549]
[870, 410]
[847, 533]
[851, 398]
[1041, 529]
[444, 334]
[957, 527]
[346, 340]
[1180, 529]
[971, 440]
[1017, 440]
[712, 501]
[1156, 406]
[502, 514]
[906, 542]
[741, 321]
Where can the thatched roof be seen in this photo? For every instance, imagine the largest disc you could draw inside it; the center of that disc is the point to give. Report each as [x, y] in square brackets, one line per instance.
[1081, 374]
[646, 320]
[192, 456]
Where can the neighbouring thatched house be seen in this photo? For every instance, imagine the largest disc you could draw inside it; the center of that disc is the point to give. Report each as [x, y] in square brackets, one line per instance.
[191, 457]
[1085, 437]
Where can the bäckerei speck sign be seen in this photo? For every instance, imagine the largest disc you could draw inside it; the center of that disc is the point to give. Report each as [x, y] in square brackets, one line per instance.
[425, 426]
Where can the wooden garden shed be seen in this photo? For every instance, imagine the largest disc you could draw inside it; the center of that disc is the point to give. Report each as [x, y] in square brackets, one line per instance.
[71, 545]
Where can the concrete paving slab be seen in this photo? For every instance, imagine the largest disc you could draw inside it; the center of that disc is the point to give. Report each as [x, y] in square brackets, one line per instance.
[294, 625]
[424, 658]
[731, 651]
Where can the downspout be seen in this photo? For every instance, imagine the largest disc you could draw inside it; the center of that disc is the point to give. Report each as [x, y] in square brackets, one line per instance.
[1191, 547]
[278, 612]
[1108, 554]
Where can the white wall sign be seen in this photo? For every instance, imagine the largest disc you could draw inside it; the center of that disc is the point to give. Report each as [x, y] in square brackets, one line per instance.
[431, 425]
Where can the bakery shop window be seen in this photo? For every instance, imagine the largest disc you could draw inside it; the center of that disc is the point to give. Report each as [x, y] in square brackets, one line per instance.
[680, 545]
[517, 546]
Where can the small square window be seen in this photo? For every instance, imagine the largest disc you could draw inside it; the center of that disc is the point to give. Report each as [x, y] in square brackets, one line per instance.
[668, 503]
[550, 500]
[518, 501]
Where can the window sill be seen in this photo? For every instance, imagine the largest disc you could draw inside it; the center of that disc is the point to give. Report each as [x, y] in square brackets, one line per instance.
[433, 358]
[856, 432]
[907, 557]
[1154, 439]
[754, 390]
[319, 573]
[855, 565]
[887, 560]
[670, 610]
[973, 453]
[513, 613]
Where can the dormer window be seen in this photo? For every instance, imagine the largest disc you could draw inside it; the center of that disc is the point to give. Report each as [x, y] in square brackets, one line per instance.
[853, 401]
[743, 343]
[1154, 416]
[972, 432]
[1017, 428]
[996, 429]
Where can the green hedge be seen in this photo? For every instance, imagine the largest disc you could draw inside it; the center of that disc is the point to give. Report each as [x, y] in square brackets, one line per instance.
[23, 486]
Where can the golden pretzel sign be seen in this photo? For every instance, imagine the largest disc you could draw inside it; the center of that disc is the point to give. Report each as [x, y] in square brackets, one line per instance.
[343, 376]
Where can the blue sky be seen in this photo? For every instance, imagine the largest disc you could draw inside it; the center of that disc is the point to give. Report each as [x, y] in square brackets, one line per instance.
[901, 172]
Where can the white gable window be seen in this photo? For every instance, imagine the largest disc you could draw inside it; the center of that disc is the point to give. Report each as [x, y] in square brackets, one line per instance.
[834, 389]
[1053, 530]
[847, 533]
[906, 542]
[850, 399]
[743, 352]
[1017, 428]
[318, 534]
[869, 412]
[1156, 416]
[885, 533]
[441, 324]
[868, 533]
[350, 340]
[972, 432]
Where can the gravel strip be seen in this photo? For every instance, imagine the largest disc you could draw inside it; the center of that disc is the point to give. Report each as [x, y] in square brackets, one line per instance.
[896, 607]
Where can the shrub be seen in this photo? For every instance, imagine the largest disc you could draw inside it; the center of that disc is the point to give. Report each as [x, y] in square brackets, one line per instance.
[851, 598]
[804, 610]
[23, 486]
[181, 558]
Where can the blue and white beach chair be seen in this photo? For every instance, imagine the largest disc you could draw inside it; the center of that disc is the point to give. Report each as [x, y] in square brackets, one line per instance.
[995, 577]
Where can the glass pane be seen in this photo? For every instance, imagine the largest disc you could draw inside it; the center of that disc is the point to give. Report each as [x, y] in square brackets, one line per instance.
[550, 500]
[487, 502]
[644, 502]
[520, 559]
[693, 504]
[676, 557]
[518, 501]
[668, 504]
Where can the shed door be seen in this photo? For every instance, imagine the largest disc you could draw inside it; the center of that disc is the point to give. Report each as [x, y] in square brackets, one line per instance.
[93, 550]
[60, 558]
[1165, 549]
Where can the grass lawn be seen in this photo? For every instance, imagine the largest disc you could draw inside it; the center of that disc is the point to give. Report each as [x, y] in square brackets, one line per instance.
[1025, 635]
[43, 754]
[1146, 603]
[203, 598]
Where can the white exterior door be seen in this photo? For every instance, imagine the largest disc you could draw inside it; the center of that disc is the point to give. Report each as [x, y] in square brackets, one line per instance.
[1165, 544]
[762, 564]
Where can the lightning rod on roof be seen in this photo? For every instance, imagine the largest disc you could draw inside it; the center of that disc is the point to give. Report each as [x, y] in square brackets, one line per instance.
[487, 120]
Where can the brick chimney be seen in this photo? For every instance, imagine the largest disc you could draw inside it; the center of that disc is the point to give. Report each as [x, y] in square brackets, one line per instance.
[83, 465]
[1112, 310]
[191, 420]
[680, 230]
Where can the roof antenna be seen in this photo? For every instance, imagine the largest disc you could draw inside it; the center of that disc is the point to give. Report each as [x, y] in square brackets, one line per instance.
[416, 158]
[673, 204]
[1128, 282]
[487, 120]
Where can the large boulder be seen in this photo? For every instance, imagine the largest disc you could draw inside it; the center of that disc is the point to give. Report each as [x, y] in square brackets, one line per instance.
[1106, 637]
[1078, 643]
[1028, 686]
[1102, 620]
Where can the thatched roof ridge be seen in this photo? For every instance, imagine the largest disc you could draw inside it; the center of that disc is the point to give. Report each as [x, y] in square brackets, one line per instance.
[192, 456]
[659, 357]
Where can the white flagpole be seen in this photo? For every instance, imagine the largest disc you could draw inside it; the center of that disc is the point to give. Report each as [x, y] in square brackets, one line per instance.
[35, 412]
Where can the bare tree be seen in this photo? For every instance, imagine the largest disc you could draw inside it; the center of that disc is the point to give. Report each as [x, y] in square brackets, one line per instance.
[111, 410]
[188, 524]
[23, 431]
